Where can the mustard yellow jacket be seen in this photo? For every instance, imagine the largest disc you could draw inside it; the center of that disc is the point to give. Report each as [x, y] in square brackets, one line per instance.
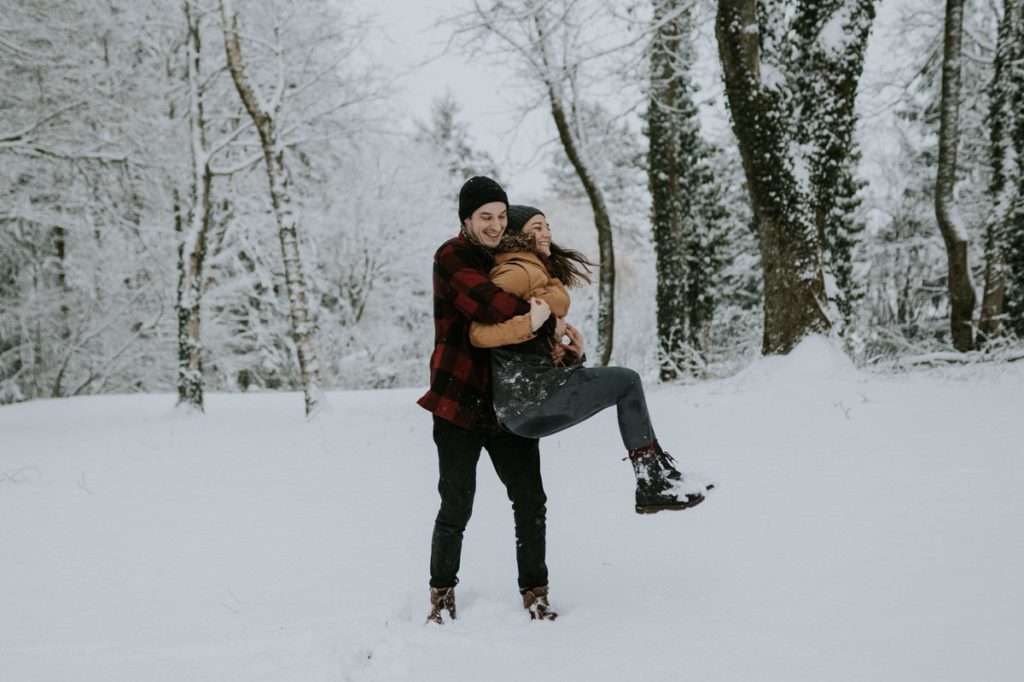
[521, 273]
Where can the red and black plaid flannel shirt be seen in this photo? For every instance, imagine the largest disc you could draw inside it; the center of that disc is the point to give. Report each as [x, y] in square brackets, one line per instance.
[460, 373]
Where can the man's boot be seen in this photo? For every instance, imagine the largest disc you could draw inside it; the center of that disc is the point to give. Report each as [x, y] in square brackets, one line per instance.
[535, 600]
[441, 598]
[660, 486]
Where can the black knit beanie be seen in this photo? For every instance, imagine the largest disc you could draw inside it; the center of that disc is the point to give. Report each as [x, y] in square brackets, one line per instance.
[478, 191]
[519, 215]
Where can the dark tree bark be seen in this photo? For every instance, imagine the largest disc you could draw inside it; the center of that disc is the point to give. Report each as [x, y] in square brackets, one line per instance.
[1003, 299]
[993, 298]
[825, 75]
[603, 223]
[59, 237]
[1013, 235]
[669, 204]
[602, 219]
[961, 290]
[990, 320]
[795, 302]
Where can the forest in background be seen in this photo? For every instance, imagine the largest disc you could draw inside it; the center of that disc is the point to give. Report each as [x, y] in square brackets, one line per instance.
[229, 195]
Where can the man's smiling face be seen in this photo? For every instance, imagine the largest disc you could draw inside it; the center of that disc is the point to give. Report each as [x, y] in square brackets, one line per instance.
[488, 223]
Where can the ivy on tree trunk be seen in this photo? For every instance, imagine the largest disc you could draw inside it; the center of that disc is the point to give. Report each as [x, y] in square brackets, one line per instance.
[795, 302]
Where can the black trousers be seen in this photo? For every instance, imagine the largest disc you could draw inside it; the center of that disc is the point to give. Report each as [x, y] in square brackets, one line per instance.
[517, 463]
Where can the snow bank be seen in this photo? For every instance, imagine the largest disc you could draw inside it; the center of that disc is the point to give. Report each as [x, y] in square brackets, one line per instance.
[815, 359]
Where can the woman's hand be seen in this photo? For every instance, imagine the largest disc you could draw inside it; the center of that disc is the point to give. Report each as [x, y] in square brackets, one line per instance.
[540, 311]
[559, 329]
[565, 354]
[575, 339]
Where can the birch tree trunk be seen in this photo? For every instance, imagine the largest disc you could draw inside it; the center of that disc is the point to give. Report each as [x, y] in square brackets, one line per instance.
[192, 249]
[280, 197]
[795, 302]
[961, 290]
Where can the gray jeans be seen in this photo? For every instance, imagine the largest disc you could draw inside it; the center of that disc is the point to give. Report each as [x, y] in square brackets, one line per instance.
[588, 391]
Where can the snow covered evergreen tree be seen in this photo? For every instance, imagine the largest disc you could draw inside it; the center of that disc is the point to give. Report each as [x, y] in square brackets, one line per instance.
[1004, 235]
[687, 208]
[450, 137]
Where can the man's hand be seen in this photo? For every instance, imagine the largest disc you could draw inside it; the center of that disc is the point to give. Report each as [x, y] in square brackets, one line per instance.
[558, 354]
[564, 354]
[540, 311]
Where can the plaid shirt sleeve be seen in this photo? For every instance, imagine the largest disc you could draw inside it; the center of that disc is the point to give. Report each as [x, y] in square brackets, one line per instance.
[473, 293]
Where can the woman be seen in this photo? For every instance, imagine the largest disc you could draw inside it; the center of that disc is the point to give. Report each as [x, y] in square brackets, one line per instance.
[541, 386]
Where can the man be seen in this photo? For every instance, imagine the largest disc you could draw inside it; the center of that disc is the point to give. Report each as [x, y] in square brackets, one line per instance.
[460, 400]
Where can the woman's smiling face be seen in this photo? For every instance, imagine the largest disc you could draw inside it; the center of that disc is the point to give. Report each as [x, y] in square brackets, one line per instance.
[538, 227]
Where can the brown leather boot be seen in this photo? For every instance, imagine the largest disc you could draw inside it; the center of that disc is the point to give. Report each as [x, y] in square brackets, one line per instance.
[535, 601]
[441, 598]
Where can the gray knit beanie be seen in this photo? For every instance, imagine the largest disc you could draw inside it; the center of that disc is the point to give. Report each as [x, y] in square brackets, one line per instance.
[519, 215]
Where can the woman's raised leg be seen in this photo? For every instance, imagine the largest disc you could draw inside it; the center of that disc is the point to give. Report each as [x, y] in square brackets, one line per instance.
[588, 391]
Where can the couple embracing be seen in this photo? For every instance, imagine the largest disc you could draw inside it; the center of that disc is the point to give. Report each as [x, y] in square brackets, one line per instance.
[502, 376]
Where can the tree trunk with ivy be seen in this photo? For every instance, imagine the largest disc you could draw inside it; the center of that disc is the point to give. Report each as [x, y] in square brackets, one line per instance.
[1003, 298]
[795, 302]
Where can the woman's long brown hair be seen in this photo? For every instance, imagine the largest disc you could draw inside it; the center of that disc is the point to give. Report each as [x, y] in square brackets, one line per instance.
[568, 265]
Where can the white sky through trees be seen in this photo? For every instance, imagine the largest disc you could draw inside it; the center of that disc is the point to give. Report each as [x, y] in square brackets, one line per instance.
[414, 46]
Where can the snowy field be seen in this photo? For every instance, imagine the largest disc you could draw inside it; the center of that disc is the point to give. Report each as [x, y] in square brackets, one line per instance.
[865, 527]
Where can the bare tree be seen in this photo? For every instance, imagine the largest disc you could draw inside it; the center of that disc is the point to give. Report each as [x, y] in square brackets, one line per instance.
[545, 39]
[264, 115]
[192, 249]
[961, 289]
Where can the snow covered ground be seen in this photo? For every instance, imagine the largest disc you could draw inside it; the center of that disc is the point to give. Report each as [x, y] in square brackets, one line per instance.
[865, 528]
